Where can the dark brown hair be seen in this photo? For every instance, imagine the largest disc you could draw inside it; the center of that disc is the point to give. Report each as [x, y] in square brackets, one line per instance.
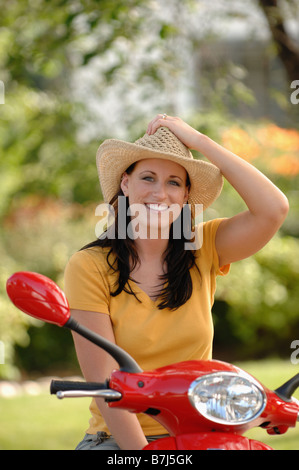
[176, 283]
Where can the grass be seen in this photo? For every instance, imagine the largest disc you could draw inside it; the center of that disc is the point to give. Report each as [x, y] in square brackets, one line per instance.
[42, 422]
[45, 423]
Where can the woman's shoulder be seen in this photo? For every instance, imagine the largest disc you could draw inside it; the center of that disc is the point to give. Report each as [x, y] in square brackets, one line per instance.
[211, 226]
[207, 254]
[205, 233]
[89, 256]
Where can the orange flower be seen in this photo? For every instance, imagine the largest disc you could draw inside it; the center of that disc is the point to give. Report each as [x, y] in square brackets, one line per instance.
[239, 141]
[279, 138]
[276, 147]
[287, 165]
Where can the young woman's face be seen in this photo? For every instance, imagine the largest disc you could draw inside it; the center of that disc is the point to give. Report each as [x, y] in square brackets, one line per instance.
[159, 188]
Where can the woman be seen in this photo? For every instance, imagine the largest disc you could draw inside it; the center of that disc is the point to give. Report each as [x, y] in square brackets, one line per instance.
[151, 295]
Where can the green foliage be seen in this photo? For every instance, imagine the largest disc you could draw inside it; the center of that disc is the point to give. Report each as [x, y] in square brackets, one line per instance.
[39, 236]
[40, 48]
[262, 297]
[13, 324]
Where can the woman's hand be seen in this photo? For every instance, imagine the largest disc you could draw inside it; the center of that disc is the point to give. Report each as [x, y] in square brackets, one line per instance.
[183, 131]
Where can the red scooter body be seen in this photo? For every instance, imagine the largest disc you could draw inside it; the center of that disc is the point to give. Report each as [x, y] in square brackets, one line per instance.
[207, 441]
[168, 394]
[163, 394]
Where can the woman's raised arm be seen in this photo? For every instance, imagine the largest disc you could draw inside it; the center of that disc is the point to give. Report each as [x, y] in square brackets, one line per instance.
[246, 233]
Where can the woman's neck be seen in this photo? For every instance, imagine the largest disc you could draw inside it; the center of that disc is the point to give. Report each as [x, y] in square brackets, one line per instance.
[151, 250]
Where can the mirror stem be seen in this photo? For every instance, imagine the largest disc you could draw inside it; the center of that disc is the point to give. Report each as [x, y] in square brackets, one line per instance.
[125, 361]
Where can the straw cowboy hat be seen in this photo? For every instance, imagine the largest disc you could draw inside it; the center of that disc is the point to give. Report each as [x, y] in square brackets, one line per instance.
[115, 156]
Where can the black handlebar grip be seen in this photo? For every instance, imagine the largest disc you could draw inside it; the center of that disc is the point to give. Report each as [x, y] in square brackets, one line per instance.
[66, 385]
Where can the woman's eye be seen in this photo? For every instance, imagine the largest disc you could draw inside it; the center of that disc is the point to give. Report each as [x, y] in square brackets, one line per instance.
[151, 179]
[148, 178]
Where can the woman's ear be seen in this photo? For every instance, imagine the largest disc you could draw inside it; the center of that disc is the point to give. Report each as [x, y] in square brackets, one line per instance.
[124, 183]
[186, 197]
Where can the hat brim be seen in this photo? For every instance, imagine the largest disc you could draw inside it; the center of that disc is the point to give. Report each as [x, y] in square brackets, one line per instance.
[115, 156]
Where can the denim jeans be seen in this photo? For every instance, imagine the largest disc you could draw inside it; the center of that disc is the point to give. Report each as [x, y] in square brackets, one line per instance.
[101, 441]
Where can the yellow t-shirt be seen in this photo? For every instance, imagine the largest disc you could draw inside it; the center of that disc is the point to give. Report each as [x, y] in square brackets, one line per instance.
[153, 337]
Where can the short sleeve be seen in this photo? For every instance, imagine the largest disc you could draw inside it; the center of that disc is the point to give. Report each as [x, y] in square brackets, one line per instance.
[85, 284]
[209, 236]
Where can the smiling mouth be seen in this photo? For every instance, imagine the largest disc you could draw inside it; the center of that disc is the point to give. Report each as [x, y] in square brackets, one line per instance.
[157, 207]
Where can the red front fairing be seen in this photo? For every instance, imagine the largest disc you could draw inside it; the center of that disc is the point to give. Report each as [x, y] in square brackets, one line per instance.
[163, 394]
[207, 441]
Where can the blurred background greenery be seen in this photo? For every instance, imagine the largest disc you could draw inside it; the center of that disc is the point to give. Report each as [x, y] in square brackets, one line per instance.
[77, 72]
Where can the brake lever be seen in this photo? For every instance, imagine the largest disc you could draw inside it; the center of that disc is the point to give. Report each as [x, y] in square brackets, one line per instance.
[108, 395]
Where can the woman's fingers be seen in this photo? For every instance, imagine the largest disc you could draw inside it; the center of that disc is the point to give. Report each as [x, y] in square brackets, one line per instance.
[159, 121]
[183, 131]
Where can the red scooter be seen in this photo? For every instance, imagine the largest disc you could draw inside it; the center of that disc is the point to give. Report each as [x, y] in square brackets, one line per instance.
[203, 404]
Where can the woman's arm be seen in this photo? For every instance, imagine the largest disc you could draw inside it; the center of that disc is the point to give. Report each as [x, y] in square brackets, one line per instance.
[246, 233]
[96, 366]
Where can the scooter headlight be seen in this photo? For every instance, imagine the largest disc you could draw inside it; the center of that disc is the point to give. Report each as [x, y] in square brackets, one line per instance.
[227, 397]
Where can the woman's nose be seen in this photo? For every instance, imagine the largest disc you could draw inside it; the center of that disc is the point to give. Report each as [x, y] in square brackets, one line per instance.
[160, 191]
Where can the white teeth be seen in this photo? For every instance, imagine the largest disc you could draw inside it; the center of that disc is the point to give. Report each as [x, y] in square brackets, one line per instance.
[158, 207]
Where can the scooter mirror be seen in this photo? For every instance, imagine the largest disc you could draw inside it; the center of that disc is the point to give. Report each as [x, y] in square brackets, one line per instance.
[39, 297]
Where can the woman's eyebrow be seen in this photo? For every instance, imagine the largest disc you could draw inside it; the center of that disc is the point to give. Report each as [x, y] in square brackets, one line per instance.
[147, 171]
[175, 176]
